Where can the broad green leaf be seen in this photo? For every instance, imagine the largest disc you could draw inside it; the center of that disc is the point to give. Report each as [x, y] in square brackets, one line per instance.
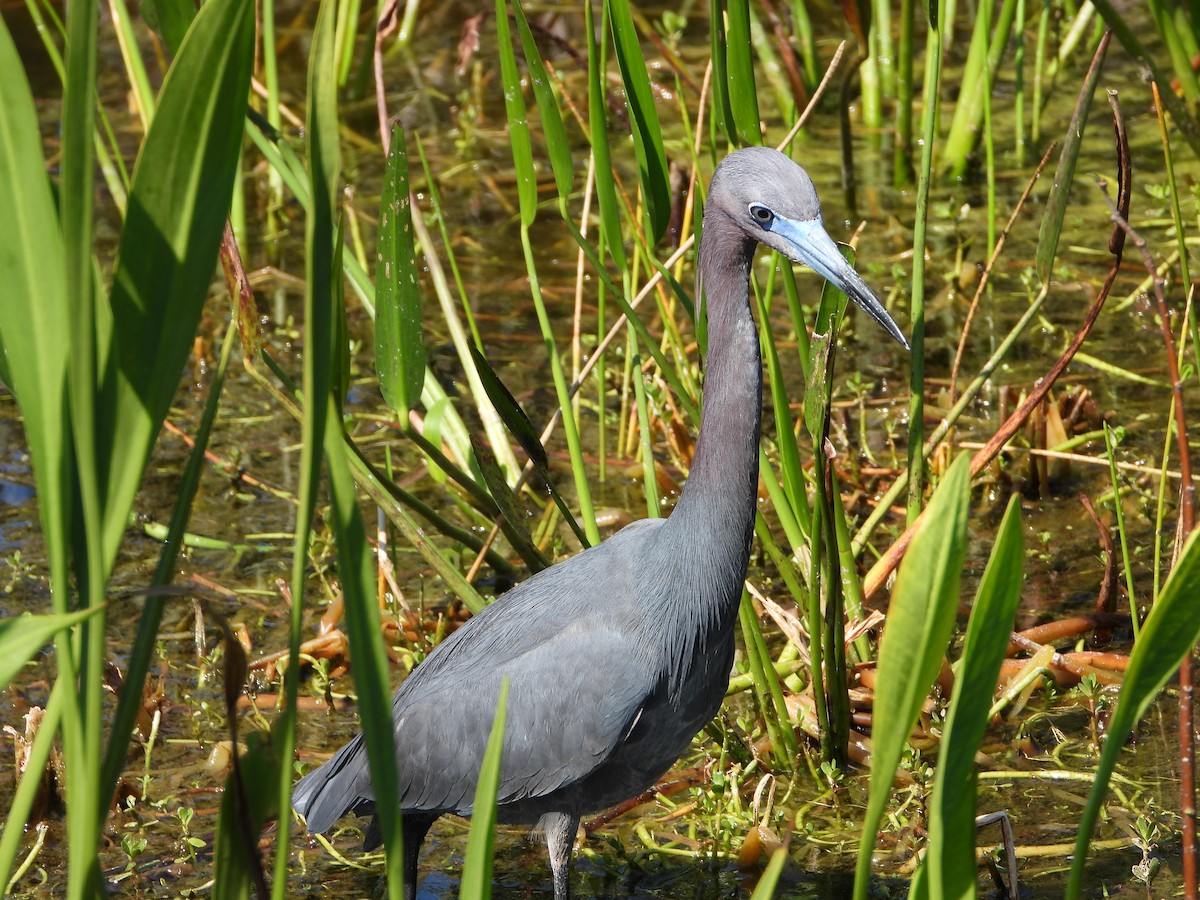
[178, 202]
[1064, 175]
[399, 345]
[949, 864]
[742, 94]
[518, 119]
[647, 135]
[920, 620]
[34, 344]
[1168, 635]
[477, 863]
[21, 637]
[555, 135]
[170, 19]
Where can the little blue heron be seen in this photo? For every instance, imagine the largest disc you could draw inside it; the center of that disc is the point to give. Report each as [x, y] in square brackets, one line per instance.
[618, 656]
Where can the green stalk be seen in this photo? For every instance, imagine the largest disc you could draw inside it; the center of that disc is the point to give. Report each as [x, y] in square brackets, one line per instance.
[649, 478]
[916, 384]
[902, 157]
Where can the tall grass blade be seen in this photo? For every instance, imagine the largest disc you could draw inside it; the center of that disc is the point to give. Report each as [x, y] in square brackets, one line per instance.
[477, 863]
[399, 344]
[518, 119]
[743, 96]
[1064, 175]
[324, 164]
[553, 131]
[931, 94]
[722, 110]
[643, 116]
[370, 669]
[606, 190]
[949, 863]
[920, 620]
[1168, 635]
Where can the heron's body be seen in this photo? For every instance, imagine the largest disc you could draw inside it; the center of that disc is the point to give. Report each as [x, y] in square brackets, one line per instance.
[618, 656]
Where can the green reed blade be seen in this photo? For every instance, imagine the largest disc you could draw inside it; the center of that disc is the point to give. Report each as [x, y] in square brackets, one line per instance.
[743, 96]
[606, 189]
[769, 880]
[920, 619]
[179, 200]
[555, 135]
[399, 342]
[371, 665]
[950, 858]
[643, 116]
[324, 167]
[931, 93]
[722, 110]
[518, 128]
[81, 652]
[510, 508]
[518, 119]
[33, 353]
[477, 861]
[511, 412]
[987, 46]
[1168, 635]
[1064, 175]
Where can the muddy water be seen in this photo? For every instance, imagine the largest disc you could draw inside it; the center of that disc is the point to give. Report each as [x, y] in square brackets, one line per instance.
[247, 504]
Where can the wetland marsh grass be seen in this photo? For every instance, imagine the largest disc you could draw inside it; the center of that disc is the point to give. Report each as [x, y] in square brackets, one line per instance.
[612, 119]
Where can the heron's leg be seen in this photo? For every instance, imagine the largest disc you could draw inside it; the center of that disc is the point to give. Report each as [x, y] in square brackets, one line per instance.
[560, 829]
[415, 825]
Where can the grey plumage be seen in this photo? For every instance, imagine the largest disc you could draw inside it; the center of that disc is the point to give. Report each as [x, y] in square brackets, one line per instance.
[617, 656]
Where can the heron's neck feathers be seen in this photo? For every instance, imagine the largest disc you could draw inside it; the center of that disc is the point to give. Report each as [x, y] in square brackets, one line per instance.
[715, 513]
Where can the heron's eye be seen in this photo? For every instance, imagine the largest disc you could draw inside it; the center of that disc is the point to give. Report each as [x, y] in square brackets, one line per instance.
[761, 214]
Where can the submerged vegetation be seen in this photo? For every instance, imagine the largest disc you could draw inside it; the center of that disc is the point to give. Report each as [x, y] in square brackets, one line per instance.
[503, 236]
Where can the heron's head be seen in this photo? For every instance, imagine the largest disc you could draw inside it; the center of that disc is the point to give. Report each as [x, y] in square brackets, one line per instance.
[772, 200]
